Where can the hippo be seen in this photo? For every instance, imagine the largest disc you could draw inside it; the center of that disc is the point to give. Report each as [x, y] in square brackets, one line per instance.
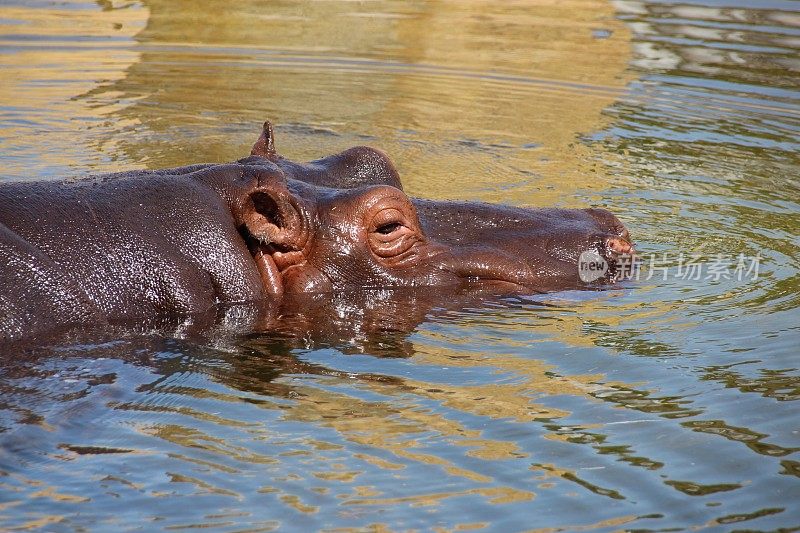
[106, 248]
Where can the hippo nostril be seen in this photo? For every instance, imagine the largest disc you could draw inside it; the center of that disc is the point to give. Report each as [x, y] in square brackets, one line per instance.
[619, 245]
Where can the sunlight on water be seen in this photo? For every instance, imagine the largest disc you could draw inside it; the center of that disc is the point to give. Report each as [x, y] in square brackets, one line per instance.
[197, 86]
[666, 403]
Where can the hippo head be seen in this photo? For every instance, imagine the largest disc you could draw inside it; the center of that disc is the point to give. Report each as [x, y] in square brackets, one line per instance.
[344, 222]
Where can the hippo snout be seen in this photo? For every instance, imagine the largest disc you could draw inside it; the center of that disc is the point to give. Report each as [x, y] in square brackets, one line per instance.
[616, 238]
[614, 247]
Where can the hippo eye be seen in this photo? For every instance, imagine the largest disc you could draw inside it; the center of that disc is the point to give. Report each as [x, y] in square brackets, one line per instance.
[387, 229]
[392, 232]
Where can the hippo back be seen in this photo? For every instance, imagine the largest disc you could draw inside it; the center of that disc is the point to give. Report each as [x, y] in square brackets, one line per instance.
[105, 247]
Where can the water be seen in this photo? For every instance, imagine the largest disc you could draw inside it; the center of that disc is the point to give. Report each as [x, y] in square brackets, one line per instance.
[666, 404]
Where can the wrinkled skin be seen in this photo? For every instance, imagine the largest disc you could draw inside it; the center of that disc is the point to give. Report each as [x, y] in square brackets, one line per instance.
[180, 241]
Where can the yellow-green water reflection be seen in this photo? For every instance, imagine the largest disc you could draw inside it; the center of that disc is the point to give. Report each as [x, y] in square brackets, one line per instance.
[200, 77]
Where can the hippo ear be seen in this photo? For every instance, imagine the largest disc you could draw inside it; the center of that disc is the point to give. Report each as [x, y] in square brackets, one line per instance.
[273, 217]
[265, 145]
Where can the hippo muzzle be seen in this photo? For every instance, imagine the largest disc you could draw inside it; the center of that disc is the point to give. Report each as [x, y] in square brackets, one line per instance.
[535, 249]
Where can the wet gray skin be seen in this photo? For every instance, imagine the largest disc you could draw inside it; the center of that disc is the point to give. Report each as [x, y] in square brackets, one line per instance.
[183, 240]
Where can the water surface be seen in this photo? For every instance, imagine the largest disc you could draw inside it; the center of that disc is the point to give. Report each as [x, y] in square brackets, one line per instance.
[666, 403]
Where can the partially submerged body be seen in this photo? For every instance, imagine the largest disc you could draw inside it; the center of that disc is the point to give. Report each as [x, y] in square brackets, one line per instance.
[181, 241]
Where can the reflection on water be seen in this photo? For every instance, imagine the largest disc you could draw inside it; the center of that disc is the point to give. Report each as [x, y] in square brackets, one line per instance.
[203, 75]
[667, 404]
[53, 52]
